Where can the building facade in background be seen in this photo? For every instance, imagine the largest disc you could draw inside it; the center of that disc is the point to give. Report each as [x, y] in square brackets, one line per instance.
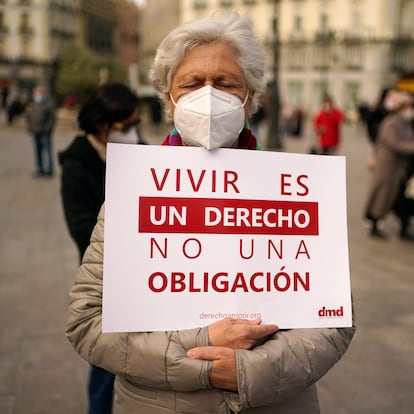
[97, 25]
[351, 49]
[32, 36]
[156, 21]
[34, 33]
[128, 39]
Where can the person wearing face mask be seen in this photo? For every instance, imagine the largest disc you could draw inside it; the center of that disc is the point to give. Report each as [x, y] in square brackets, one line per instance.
[210, 73]
[41, 118]
[394, 146]
[327, 123]
[110, 114]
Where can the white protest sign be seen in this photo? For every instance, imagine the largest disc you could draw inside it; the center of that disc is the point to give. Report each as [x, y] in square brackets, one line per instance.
[193, 236]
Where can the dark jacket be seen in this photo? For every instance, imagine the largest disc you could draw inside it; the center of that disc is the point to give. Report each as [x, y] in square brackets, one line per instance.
[41, 117]
[82, 189]
[374, 119]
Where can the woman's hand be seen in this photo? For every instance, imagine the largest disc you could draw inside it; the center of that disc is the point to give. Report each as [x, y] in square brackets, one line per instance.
[239, 333]
[223, 372]
[225, 336]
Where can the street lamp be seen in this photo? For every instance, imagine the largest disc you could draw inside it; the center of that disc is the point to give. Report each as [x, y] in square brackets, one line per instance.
[273, 135]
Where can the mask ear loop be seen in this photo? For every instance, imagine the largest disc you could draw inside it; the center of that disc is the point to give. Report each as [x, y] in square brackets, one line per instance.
[245, 99]
[172, 99]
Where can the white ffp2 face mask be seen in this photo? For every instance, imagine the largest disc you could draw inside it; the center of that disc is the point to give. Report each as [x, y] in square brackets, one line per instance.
[128, 137]
[209, 118]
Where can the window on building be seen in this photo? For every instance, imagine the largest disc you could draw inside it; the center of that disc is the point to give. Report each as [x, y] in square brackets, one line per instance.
[353, 55]
[296, 58]
[26, 54]
[25, 28]
[24, 20]
[356, 19]
[275, 25]
[320, 89]
[297, 23]
[100, 34]
[406, 29]
[355, 25]
[297, 32]
[321, 56]
[351, 96]
[199, 4]
[226, 3]
[402, 57]
[323, 22]
[295, 90]
[324, 33]
[3, 28]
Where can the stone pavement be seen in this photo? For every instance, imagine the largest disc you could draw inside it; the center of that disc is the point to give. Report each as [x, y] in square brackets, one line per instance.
[41, 374]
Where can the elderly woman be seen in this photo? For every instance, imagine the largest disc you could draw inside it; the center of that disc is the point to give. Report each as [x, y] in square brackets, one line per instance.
[211, 75]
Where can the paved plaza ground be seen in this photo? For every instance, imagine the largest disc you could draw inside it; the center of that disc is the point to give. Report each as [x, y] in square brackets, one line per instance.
[41, 374]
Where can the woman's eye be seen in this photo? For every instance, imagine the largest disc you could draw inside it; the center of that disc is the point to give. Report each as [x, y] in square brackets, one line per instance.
[190, 86]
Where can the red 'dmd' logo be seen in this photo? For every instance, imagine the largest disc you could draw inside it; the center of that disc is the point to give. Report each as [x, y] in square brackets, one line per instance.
[331, 313]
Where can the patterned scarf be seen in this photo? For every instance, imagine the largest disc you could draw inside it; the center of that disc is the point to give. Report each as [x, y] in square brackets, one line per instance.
[246, 140]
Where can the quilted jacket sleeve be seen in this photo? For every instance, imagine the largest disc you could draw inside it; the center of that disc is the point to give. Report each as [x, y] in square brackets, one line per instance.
[288, 363]
[151, 359]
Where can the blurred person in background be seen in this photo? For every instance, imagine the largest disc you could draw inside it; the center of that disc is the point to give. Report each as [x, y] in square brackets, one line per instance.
[12, 103]
[377, 113]
[4, 96]
[110, 114]
[41, 118]
[210, 73]
[404, 204]
[327, 126]
[393, 148]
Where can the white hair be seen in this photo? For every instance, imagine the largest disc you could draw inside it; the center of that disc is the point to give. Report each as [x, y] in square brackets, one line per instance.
[232, 29]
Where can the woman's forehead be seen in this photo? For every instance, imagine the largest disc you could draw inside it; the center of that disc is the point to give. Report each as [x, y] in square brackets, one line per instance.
[209, 58]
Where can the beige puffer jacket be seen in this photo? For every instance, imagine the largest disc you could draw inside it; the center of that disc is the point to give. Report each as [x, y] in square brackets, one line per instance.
[154, 375]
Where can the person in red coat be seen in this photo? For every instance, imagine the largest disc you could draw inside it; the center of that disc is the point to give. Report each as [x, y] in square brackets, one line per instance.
[327, 123]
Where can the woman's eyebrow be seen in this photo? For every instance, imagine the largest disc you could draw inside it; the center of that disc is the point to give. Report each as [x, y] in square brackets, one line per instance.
[228, 77]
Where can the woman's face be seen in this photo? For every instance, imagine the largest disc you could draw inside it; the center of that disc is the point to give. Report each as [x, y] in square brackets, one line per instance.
[122, 126]
[213, 64]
